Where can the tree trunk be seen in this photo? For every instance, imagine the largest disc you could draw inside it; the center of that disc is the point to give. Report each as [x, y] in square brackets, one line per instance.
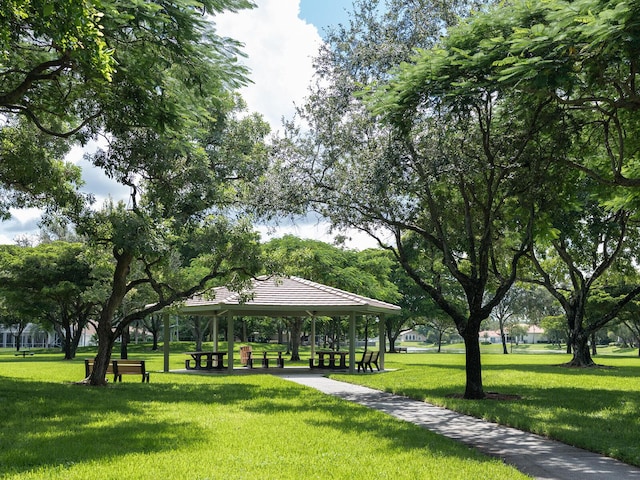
[392, 345]
[594, 348]
[107, 337]
[75, 340]
[66, 342]
[125, 339]
[103, 357]
[439, 341]
[504, 342]
[473, 390]
[581, 354]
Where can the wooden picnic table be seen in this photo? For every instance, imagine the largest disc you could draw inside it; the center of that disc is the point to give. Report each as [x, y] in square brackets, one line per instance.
[210, 357]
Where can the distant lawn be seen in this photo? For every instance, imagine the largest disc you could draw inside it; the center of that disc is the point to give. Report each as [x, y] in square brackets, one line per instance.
[206, 427]
[596, 409]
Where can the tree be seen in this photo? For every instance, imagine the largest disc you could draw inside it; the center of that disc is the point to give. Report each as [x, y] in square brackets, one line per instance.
[175, 240]
[503, 312]
[52, 283]
[459, 175]
[441, 325]
[585, 242]
[556, 329]
[530, 304]
[153, 324]
[84, 68]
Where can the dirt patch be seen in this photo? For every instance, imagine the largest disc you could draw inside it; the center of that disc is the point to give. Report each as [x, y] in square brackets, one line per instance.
[585, 367]
[491, 396]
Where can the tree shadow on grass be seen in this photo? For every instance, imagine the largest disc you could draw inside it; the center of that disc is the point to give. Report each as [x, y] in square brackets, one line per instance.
[375, 430]
[49, 424]
[600, 420]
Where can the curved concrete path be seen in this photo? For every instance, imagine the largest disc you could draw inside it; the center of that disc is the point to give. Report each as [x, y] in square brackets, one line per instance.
[532, 454]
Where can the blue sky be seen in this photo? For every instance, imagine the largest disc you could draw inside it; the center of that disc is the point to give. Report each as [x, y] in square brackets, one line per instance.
[324, 13]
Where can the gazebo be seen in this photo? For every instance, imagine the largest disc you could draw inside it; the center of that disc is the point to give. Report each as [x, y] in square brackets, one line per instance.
[286, 297]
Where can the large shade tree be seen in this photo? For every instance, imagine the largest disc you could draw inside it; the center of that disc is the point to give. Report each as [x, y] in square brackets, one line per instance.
[176, 237]
[582, 243]
[446, 184]
[581, 58]
[155, 80]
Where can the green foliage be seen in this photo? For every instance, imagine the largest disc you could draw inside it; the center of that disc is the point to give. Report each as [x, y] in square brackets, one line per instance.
[362, 272]
[87, 68]
[32, 173]
[54, 285]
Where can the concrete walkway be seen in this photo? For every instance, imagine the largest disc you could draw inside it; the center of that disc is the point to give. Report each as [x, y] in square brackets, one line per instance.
[532, 454]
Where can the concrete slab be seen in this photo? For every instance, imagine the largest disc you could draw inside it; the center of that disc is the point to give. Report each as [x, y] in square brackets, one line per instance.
[534, 455]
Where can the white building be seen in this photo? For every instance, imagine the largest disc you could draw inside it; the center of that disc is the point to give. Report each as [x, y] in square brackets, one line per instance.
[411, 336]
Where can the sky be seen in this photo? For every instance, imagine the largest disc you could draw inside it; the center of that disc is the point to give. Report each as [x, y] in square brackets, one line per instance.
[280, 37]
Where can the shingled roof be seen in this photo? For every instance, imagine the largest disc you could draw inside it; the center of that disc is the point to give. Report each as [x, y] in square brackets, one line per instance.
[287, 297]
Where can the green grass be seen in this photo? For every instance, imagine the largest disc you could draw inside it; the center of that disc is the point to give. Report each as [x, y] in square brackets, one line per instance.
[205, 427]
[596, 409]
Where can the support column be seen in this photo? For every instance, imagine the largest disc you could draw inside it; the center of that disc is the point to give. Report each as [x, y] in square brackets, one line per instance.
[313, 340]
[214, 333]
[352, 343]
[167, 340]
[382, 340]
[230, 342]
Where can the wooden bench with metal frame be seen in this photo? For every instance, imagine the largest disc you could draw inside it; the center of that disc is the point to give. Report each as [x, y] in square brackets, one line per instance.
[120, 367]
[368, 359]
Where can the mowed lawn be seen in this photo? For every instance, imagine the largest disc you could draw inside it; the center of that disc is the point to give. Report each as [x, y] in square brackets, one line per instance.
[206, 427]
[596, 409]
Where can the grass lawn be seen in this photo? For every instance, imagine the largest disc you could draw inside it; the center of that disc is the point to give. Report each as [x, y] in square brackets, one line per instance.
[596, 409]
[206, 427]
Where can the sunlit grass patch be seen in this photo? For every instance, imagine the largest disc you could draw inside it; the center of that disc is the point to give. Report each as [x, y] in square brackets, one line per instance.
[207, 427]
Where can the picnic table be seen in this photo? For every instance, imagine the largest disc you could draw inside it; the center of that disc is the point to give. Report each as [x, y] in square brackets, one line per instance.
[24, 353]
[210, 358]
[332, 356]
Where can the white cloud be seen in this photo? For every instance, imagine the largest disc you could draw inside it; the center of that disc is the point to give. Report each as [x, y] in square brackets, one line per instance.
[280, 48]
[23, 223]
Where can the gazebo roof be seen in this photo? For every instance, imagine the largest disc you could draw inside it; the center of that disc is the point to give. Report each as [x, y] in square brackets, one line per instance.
[286, 297]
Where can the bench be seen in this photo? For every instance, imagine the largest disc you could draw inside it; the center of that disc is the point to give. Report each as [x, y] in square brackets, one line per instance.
[265, 360]
[368, 359]
[24, 353]
[120, 367]
[401, 349]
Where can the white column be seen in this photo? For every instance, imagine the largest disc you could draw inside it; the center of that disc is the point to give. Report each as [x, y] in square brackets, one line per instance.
[230, 342]
[352, 343]
[214, 333]
[382, 340]
[313, 339]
